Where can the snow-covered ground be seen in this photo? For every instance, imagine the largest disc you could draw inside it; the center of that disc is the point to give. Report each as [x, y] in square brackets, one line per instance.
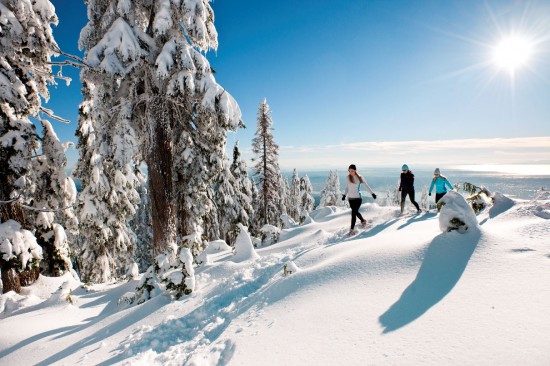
[400, 292]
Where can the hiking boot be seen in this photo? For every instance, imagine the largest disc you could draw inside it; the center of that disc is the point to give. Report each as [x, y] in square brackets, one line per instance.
[364, 223]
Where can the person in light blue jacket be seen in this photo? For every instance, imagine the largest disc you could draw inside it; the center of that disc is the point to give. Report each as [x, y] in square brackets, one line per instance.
[440, 183]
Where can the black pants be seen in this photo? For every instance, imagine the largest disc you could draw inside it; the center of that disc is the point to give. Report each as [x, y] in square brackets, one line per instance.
[355, 203]
[411, 197]
[438, 196]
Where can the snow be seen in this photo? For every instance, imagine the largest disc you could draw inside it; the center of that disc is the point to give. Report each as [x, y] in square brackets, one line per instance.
[16, 242]
[401, 292]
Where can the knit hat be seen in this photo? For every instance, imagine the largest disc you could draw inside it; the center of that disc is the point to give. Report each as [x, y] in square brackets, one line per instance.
[352, 166]
[405, 167]
[436, 171]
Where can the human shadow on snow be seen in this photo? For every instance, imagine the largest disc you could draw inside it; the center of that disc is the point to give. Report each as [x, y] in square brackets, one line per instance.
[444, 262]
[417, 218]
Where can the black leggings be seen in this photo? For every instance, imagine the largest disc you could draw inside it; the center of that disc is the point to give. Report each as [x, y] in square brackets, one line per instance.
[355, 203]
[438, 196]
[411, 197]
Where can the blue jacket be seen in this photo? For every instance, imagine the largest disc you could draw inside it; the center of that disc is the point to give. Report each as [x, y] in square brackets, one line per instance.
[440, 183]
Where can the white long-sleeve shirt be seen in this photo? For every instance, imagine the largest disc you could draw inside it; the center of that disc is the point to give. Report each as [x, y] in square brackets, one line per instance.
[352, 188]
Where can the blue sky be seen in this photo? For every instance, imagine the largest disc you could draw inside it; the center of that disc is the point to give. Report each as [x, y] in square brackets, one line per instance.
[377, 83]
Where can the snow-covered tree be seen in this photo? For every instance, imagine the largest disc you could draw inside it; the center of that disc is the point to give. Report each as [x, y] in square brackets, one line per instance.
[330, 194]
[233, 198]
[266, 169]
[149, 53]
[53, 201]
[26, 48]
[109, 177]
[283, 194]
[294, 198]
[141, 224]
[307, 202]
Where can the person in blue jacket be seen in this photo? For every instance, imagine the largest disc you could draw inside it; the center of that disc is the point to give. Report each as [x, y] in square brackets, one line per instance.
[440, 183]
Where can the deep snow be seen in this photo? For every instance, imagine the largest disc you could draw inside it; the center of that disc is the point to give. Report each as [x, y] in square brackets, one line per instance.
[400, 292]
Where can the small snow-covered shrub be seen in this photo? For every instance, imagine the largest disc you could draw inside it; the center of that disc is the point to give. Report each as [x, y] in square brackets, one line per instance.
[305, 218]
[479, 197]
[270, 234]
[244, 249]
[542, 195]
[289, 268]
[456, 214]
[287, 221]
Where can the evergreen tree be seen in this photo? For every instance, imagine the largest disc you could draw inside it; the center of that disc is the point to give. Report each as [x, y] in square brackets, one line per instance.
[266, 169]
[109, 178]
[294, 206]
[307, 202]
[233, 197]
[54, 198]
[330, 194]
[149, 54]
[244, 190]
[26, 47]
[142, 226]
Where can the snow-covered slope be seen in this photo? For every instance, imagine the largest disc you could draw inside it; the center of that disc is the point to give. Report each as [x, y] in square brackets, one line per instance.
[400, 292]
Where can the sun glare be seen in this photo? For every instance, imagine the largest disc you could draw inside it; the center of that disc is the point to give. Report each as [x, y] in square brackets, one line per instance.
[512, 53]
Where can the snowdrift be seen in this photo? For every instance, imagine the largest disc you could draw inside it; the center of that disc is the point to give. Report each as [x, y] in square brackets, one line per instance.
[401, 291]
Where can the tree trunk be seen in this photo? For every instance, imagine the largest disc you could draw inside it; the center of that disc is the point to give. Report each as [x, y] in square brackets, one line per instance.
[10, 280]
[159, 164]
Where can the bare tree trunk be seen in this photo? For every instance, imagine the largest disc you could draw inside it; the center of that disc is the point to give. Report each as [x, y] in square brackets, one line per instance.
[10, 280]
[159, 163]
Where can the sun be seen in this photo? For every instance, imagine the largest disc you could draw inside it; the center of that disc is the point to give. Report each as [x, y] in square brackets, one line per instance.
[512, 53]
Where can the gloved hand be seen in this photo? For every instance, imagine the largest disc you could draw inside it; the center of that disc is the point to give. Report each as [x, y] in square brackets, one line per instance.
[399, 189]
[429, 194]
[373, 196]
[343, 197]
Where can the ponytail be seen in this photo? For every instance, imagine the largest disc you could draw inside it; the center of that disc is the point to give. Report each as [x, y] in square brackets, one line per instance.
[361, 179]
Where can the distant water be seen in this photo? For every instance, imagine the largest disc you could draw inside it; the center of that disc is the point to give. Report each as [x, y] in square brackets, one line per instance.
[383, 180]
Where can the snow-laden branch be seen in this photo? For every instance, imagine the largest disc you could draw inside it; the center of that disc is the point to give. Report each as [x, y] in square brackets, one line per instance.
[49, 113]
[46, 209]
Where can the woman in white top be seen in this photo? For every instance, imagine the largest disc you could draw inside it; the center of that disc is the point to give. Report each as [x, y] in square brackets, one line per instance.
[353, 185]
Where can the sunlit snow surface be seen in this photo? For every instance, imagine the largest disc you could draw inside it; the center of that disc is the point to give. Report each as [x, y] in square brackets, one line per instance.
[400, 292]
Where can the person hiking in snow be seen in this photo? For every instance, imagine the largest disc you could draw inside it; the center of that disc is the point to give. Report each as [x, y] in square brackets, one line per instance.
[406, 186]
[353, 185]
[441, 183]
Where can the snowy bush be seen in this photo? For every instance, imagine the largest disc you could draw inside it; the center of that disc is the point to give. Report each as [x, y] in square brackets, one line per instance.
[269, 234]
[287, 221]
[244, 249]
[305, 218]
[479, 197]
[18, 247]
[456, 214]
[330, 194]
[289, 268]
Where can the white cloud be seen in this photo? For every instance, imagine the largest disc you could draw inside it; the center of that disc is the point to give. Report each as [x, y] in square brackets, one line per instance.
[521, 150]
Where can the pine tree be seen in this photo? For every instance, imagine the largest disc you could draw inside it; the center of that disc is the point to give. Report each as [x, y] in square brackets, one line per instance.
[26, 47]
[307, 202]
[330, 194]
[266, 169]
[233, 198]
[244, 189]
[294, 207]
[149, 53]
[142, 226]
[54, 198]
[109, 178]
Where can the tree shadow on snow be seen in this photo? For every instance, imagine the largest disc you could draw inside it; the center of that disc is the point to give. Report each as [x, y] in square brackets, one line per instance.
[444, 262]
